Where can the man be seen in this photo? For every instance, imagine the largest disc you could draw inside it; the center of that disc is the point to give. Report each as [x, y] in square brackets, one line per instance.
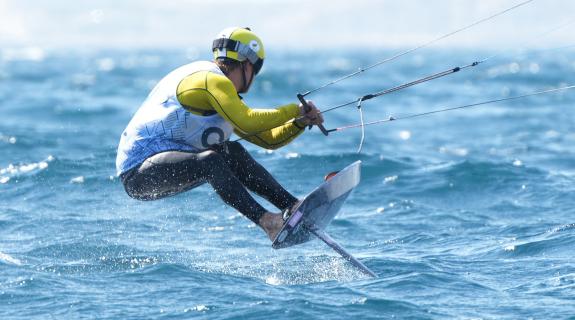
[179, 137]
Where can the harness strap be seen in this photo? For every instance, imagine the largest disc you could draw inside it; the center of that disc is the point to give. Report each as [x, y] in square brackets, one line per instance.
[202, 112]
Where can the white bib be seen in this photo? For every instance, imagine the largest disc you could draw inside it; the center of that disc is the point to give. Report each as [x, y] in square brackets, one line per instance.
[162, 124]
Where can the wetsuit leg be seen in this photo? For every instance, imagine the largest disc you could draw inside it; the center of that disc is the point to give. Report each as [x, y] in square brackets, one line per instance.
[172, 172]
[254, 176]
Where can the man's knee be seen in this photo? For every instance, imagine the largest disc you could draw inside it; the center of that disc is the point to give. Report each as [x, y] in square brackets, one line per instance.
[135, 186]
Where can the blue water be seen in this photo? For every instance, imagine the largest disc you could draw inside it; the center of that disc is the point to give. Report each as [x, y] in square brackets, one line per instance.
[465, 214]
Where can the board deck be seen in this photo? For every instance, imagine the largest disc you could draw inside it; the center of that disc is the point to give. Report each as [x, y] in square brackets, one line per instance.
[316, 212]
[318, 208]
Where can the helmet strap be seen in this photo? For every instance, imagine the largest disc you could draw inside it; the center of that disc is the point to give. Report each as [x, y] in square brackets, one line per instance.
[246, 84]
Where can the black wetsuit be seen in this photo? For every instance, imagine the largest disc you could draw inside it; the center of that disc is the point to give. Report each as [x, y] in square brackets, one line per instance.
[228, 167]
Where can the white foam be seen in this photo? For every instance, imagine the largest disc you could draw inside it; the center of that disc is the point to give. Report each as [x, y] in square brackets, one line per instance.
[27, 167]
[273, 280]
[460, 152]
[199, 308]
[390, 179]
[8, 139]
[78, 180]
[8, 259]
[292, 155]
[214, 229]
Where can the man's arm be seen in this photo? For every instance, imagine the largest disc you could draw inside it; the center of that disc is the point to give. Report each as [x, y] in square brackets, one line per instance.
[224, 99]
[274, 138]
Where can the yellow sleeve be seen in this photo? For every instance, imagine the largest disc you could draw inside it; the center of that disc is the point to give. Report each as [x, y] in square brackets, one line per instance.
[225, 100]
[267, 128]
[193, 96]
[273, 138]
[206, 93]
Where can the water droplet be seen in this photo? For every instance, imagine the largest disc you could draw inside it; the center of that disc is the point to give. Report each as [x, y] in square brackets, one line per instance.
[106, 64]
[405, 135]
[514, 67]
[534, 68]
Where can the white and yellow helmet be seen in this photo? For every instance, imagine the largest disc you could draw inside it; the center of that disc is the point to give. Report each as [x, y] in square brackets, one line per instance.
[239, 44]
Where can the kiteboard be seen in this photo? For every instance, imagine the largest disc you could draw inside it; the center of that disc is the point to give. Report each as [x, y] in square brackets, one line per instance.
[315, 212]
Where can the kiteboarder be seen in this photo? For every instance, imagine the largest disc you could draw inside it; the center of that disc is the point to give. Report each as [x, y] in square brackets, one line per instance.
[180, 136]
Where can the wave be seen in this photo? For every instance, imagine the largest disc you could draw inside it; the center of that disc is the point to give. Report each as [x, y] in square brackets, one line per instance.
[554, 242]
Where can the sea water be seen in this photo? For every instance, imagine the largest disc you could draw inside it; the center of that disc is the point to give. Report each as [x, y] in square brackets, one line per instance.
[464, 214]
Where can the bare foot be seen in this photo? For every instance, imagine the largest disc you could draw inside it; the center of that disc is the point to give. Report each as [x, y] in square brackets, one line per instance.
[272, 224]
